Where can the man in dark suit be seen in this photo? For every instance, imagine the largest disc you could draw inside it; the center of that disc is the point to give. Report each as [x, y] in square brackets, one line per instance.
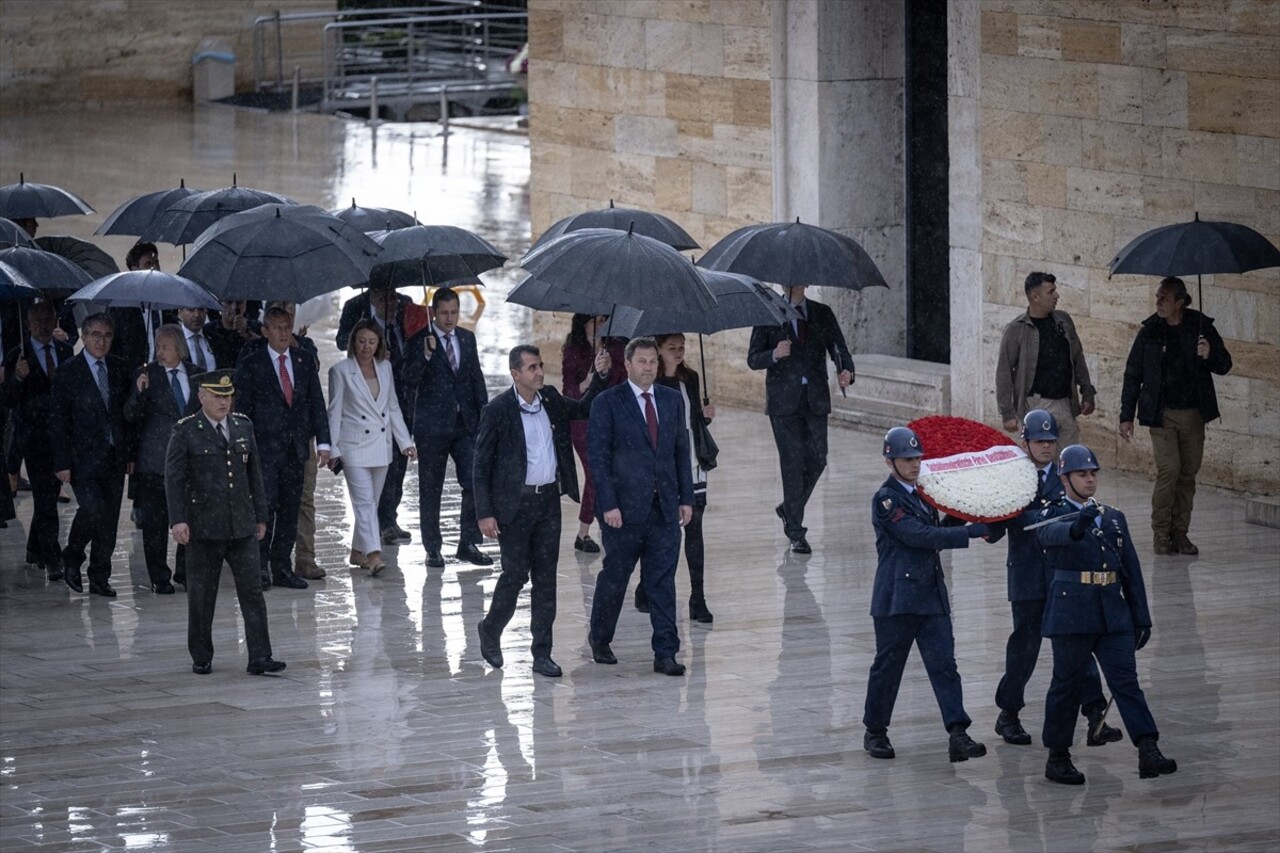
[30, 367]
[217, 506]
[442, 367]
[798, 400]
[524, 463]
[92, 449]
[382, 304]
[279, 391]
[638, 444]
[229, 334]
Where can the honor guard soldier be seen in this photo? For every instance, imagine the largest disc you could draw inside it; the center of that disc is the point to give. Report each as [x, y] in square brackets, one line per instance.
[909, 601]
[1028, 588]
[217, 508]
[1097, 608]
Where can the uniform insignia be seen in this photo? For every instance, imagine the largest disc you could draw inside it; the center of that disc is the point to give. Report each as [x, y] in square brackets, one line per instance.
[886, 503]
[898, 514]
[187, 418]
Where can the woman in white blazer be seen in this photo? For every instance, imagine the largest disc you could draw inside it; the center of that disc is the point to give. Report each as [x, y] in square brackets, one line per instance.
[364, 416]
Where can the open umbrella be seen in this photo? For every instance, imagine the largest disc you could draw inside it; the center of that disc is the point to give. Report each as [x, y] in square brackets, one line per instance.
[145, 289]
[137, 214]
[82, 253]
[741, 302]
[39, 201]
[14, 285]
[795, 254]
[593, 270]
[369, 219]
[279, 251]
[432, 255]
[47, 272]
[643, 222]
[13, 234]
[186, 219]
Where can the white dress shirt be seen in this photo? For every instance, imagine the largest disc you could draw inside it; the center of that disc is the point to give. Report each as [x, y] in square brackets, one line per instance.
[637, 390]
[202, 346]
[539, 448]
[38, 349]
[288, 366]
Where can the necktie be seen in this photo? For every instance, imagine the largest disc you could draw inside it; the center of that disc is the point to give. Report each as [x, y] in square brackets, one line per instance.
[453, 358]
[103, 388]
[48, 361]
[285, 383]
[393, 343]
[802, 327]
[222, 435]
[197, 345]
[651, 418]
[177, 390]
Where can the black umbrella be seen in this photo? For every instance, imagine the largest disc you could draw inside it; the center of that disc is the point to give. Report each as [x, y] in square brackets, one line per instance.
[278, 251]
[593, 270]
[186, 219]
[369, 219]
[432, 255]
[14, 286]
[13, 234]
[643, 222]
[39, 201]
[46, 271]
[137, 214]
[794, 254]
[145, 289]
[82, 253]
[741, 301]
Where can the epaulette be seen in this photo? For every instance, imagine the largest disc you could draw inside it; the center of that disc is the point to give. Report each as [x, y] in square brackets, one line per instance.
[187, 418]
[239, 416]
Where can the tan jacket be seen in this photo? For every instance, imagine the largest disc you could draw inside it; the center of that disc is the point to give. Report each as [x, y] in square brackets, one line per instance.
[1016, 365]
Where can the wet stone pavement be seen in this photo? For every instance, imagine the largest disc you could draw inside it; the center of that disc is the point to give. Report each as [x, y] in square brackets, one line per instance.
[388, 732]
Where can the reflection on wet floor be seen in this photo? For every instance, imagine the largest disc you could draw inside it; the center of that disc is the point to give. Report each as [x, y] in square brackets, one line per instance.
[388, 732]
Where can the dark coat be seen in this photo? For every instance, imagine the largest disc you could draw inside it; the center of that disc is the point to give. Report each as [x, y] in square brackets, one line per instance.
[282, 431]
[909, 576]
[214, 486]
[440, 394]
[153, 413]
[228, 344]
[356, 309]
[84, 430]
[1142, 370]
[1029, 575]
[500, 460]
[30, 400]
[783, 390]
[627, 471]
[1077, 608]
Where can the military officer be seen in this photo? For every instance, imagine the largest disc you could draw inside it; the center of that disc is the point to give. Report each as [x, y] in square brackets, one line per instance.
[1101, 613]
[1028, 587]
[909, 602]
[217, 508]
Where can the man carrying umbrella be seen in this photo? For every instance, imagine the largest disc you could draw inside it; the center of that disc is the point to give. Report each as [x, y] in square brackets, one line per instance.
[798, 400]
[1168, 379]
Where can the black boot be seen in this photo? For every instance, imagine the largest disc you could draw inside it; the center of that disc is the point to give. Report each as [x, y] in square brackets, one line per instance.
[1151, 763]
[1009, 727]
[962, 747]
[642, 599]
[698, 611]
[1060, 769]
[1101, 734]
[877, 744]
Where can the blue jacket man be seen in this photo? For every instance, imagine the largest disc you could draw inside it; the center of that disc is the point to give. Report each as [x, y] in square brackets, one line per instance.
[1097, 608]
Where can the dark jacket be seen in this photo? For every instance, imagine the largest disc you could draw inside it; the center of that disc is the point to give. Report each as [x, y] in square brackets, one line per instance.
[215, 486]
[88, 435]
[356, 309]
[1029, 576]
[909, 576]
[440, 394]
[227, 344]
[30, 400]
[282, 431]
[783, 389]
[705, 450]
[153, 413]
[1142, 371]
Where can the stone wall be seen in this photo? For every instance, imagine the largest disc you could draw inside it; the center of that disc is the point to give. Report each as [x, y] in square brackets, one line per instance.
[88, 53]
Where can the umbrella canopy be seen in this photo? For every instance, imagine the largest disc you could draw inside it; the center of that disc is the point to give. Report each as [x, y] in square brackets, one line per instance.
[1196, 248]
[82, 253]
[369, 219]
[13, 234]
[643, 222]
[432, 255]
[186, 219]
[46, 271]
[145, 288]
[39, 201]
[593, 270]
[14, 285]
[794, 254]
[741, 301]
[137, 214]
[278, 251]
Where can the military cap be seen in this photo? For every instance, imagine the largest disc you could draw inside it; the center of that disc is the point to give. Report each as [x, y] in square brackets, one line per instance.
[217, 382]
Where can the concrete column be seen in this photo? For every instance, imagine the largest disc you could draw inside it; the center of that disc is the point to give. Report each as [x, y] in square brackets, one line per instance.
[970, 372]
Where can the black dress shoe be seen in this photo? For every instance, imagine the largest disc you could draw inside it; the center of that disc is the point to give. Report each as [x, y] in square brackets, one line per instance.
[165, 588]
[288, 579]
[777, 510]
[473, 555]
[179, 577]
[73, 578]
[102, 588]
[53, 572]
[1060, 769]
[668, 666]
[261, 666]
[434, 560]
[34, 560]
[962, 747]
[402, 535]
[877, 745]
[586, 545]
[800, 545]
[266, 582]
[1009, 727]
[490, 647]
[546, 666]
[202, 667]
[698, 612]
[388, 536]
[642, 600]
[603, 654]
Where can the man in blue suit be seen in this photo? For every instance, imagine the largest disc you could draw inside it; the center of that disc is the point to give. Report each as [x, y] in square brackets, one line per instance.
[639, 452]
[1028, 588]
[1097, 608]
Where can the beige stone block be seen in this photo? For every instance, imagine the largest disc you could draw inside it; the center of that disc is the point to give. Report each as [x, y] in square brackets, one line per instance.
[1234, 311]
[1104, 192]
[546, 34]
[1253, 360]
[580, 128]
[1090, 41]
[1233, 402]
[1142, 45]
[631, 90]
[1115, 147]
[1012, 135]
[584, 39]
[1110, 338]
[1229, 203]
[647, 9]
[694, 130]
[1047, 184]
[1264, 406]
[1198, 156]
[1003, 83]
[1002, 286]
[1268, 317]
[1063, 140]
[748, 51]
[1039, 37]
[732, 146]
[1224, 104]
[706, 55]
[668, 46]
[751, 103]
[1078, 237]
[999, 32]
[1219, 52]
[1166, 199]
[630, 180]
[748, 190]
[1120, 93]
[1064, 89]
[709, 189]
[1164, 97]
[551, 167]
[554, 83]
[1004, 180]
[1256, 470]
[1012, 229]
[1258, 161]
[684, 10]
[590, 173]
[672, 178]
[1122, 299]
[655, 137]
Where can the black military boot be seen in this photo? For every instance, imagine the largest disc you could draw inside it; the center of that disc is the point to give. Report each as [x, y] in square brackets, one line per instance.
[1060, 769]
[1009, 727]
[1151, 763]
[962, 747]
[1101, 734]
[877, 744]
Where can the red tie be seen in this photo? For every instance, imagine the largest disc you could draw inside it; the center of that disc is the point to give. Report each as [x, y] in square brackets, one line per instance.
[285, 383]
[48, 362]
[651, 418]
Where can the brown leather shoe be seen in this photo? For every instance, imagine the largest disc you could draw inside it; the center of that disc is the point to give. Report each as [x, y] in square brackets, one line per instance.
[311, 572]
[1183, 545]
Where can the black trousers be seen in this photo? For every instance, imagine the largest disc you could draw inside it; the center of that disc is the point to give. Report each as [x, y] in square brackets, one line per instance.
[895, 635]
[433, 458]
[392, 489]
[282, 484]
[1072, 653]
[801, 439]
[42, 538]
[1020, 655]
[530, 545]
[204, 569]
[98, 494]
[154, 516]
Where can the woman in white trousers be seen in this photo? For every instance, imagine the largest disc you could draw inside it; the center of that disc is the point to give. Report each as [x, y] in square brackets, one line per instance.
[364, 417]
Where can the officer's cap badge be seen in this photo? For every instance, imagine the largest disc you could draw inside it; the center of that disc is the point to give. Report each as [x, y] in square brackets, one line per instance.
[217, 382]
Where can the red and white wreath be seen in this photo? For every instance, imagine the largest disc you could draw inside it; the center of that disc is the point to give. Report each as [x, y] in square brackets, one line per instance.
[972, 471]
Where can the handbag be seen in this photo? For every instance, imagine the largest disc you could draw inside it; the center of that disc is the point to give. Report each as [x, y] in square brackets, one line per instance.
[704, 446]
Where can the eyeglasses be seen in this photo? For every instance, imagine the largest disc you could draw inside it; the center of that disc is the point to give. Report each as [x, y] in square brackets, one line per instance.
[100, 336]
